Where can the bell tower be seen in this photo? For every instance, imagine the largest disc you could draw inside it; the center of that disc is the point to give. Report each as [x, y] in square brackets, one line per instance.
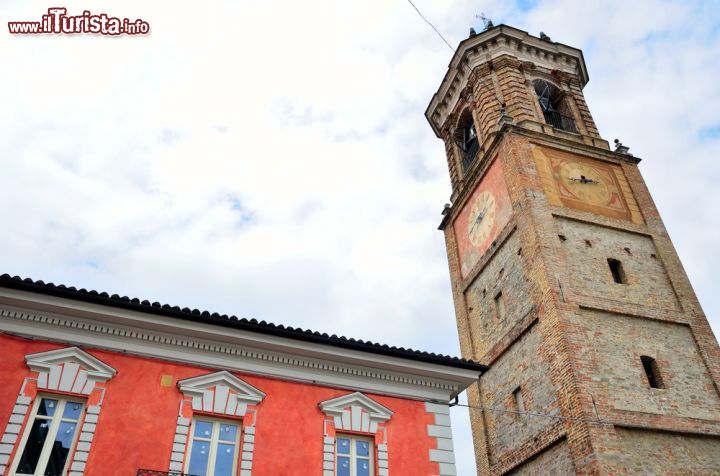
[564, 279]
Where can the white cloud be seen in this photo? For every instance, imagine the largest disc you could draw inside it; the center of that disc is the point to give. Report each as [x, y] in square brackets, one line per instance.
[271, 159]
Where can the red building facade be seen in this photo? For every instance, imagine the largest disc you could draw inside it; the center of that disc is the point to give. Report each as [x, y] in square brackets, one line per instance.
[106, 385]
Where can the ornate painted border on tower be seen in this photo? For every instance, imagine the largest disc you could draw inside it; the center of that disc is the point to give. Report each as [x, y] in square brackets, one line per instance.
[585, 184]
[482, 218]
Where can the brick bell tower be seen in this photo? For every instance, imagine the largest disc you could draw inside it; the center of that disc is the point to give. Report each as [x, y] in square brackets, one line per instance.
[564, 279]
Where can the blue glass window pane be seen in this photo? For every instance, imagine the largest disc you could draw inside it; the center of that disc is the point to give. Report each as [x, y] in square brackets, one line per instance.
[61, 448]
[203, 429]
[343, 466]
[33, 447]
[224, 460]
[72, 410]
[343, 446]
[65, 434]
[362, 468]
[362, 448]
[199, 457]
[47, 407]
[228, 432]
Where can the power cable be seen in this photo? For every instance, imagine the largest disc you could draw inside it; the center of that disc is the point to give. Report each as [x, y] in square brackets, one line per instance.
[431, 25]
[462, 60]
[524, 413]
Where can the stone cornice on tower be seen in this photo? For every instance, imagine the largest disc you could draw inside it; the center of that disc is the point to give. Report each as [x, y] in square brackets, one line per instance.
[492, 44]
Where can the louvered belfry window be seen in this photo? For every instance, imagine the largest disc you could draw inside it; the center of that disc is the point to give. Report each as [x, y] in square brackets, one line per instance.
[553, 106]
[466, 138]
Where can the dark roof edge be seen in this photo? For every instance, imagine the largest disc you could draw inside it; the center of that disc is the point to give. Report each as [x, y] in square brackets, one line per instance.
[251, 325]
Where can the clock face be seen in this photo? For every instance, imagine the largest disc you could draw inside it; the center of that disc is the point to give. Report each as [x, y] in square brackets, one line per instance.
[481, 218]
[585, 183]
[484, 215]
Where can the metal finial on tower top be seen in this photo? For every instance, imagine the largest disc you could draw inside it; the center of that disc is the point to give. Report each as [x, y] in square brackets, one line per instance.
[620, 148]
[505, 118]
[487, 23]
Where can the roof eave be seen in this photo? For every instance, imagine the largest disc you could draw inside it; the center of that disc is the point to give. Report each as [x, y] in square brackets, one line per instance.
[251, 325]
[89, 325]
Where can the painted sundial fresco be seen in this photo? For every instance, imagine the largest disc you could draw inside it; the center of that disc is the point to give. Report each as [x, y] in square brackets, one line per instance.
[482, 218]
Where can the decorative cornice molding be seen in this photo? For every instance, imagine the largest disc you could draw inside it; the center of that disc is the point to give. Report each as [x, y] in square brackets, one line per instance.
[336, 406]
[38, 295]
[496, 42]
[197, 386]
[370, 377]
[69, 370]
[44, 361]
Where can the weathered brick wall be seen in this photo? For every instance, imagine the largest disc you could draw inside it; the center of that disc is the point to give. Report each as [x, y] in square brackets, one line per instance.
[518, 367]
[543, 350]
[568, 359]
[487, 100]
[620, 382]
[503, 274]
[516, 95]
[502, 82]
[556, 460]
[578, 98]
[649, 452]
[507, 80]
[587, 248]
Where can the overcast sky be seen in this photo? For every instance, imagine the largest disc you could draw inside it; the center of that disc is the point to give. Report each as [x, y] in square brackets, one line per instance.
[270, 159]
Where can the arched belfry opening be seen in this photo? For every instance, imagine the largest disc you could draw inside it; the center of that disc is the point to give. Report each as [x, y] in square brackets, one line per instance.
[466, 138]
[554, 106]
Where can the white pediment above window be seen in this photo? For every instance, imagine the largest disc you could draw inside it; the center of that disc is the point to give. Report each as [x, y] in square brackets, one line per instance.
[69, 370]
[220, 392]
[356, 412]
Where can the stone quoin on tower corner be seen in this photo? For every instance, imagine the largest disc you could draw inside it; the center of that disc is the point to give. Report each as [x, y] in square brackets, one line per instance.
[564, 279]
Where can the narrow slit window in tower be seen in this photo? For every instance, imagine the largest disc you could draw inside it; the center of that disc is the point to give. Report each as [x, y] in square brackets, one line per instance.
[519, 402]
[617, 271]
[499, 305]
[652, 372]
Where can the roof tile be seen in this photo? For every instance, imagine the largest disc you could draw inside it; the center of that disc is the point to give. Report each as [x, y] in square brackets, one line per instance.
[252, 325]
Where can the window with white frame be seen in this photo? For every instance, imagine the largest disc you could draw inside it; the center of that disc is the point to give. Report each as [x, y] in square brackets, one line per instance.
[213, 447]
[213, 444]
[49, 437]
[354, 423]
[353, 456]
